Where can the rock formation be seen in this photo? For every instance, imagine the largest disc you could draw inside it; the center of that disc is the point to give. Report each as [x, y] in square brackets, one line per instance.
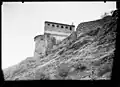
[87, 53]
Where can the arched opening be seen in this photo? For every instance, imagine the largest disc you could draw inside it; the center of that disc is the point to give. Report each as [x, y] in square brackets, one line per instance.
[61, 26]
[53, 25]
[66, 27]
[48, 24]
[57, 25]
[70, 28]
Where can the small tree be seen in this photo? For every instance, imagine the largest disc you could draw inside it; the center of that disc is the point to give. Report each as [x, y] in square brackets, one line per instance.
[107, 13]
[104, 15]
[111, 12]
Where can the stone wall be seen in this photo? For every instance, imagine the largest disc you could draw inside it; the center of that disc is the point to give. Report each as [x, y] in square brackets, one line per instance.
[58, 38]
[58, 30]
[49, 41]
[43, 45]
[39, 46]
[58, 27]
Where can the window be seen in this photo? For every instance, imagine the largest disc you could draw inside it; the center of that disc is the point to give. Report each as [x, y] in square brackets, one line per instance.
[41, 38]
[61, 26]
[66, 27]
[57, 25]
[70, 28]
[53, 25]
[48, 24]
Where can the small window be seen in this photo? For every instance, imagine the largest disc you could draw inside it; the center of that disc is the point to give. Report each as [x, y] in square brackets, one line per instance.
[61, 26]
[53, 25]
[70, 28]
[57, 25]
[41, 38]
[66, 27]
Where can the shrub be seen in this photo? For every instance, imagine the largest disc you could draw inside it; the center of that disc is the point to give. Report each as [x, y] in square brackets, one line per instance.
[63, 70]
[80, 67]
[103, 71]
[93, 32]
[61, 52]
[106, 14]
[41, 76]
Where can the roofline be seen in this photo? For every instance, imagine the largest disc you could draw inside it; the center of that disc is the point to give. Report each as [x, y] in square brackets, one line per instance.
[58, 35]
[59, 23]
[37, 37]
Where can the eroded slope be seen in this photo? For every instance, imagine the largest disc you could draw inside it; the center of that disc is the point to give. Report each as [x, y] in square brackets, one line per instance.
[87, 53]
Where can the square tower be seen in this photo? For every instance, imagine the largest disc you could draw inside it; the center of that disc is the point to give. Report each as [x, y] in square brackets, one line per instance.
[58, 30]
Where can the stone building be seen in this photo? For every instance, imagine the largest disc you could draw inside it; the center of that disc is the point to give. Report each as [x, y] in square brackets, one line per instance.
[53, 34]
[39, 45]
[58, 30]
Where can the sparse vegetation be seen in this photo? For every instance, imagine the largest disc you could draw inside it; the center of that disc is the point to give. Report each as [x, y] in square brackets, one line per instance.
[79, 44]
[61, 52]
[41, 75]
[93, 32]
[63, 70]
[107, 14]
[80, 67]
[102, 71]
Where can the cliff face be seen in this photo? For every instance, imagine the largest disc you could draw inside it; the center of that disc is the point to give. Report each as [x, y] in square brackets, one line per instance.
[88, 53]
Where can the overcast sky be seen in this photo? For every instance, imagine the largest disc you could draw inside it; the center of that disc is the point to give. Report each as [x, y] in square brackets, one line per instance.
[21, 22]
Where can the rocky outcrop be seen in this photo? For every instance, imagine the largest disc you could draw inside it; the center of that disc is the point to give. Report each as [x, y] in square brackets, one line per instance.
[88, 53]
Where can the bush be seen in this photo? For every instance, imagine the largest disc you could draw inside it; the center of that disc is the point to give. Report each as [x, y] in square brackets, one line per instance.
[61, 52]
[63, 70]
[41, 76]
[93, 32]
[106, 14]
[80, 67]
[103, 71]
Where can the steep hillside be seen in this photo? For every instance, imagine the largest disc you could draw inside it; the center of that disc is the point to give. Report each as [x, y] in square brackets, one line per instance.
[88, 53]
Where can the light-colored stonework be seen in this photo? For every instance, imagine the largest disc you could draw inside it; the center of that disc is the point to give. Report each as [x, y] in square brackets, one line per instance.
[58, 30]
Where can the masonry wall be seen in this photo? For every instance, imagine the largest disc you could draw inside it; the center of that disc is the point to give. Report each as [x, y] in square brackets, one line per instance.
[39, 46]
[49, 42]
[58, 28]
[59, 31]
[58, 38]
[43, 45]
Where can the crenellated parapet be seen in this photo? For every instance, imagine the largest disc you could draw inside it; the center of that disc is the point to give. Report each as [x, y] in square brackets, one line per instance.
[58, 30]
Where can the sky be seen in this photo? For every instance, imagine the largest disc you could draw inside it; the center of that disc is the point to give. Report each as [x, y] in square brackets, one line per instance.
[21, 22]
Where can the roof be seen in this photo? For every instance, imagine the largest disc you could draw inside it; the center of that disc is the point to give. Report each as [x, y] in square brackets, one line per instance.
[59, 23]
[38, 36]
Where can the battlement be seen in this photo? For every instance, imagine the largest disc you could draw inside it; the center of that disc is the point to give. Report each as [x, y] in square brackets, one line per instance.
[58, 27]
[58, 23]
[58, 30]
